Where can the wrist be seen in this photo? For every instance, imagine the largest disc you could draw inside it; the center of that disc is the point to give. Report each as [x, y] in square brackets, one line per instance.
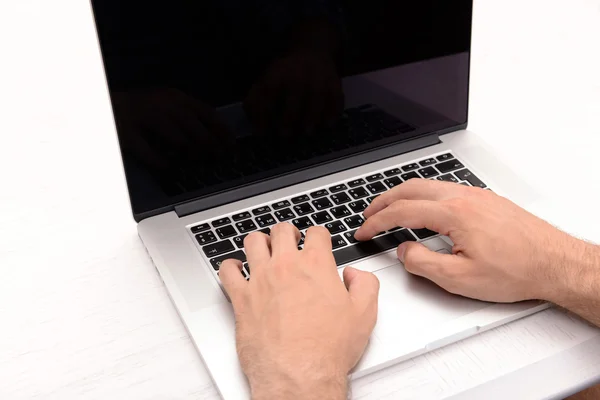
[573, 272]
[308, 386]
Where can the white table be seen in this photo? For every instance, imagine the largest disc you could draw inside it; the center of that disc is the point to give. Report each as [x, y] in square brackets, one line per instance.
[83, 311]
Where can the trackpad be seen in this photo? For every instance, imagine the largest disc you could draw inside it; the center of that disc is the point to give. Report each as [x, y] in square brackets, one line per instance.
[409, 304]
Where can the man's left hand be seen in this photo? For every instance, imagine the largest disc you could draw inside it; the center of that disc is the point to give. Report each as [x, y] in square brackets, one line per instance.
[299, 328]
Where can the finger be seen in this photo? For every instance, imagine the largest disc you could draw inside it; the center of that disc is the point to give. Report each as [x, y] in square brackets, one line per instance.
[318, 238]
[233, 281]
[439, 268]
[415, 189]
[409, 214]
[363, 288]
[284, 238]
[258, 249]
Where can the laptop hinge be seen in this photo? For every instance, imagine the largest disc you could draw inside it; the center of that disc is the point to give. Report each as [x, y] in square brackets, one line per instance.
[296, 177]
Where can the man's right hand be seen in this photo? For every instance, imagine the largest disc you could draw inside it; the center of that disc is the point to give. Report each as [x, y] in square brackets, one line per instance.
[501, 252]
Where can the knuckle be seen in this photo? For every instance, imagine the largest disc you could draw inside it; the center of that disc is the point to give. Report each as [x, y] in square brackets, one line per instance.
[458, 205]
[398, 205]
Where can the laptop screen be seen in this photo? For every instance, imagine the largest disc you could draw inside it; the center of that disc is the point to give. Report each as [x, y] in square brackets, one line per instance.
[216, 94]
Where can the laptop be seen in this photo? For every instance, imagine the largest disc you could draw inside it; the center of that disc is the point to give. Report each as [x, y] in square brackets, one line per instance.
[235, 115]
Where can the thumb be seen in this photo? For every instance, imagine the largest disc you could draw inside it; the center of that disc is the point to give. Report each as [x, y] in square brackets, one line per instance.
[233, 281]
[363, 288]
[419, 260]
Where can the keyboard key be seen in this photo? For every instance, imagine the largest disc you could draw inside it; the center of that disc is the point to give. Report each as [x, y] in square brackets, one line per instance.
[466, 175]
[374, 177]
[358, 206]
[247, 269]
[206, 238]
[410, 167]
[241, 216]
[445, 157]
[424, 233]
[375, 246]
[302, 237]
[265, 220]
[428, 172]
[338, 188]
[226, 231]
[322, 203]
[392, 172]
[449, 166]
[280, 205]
[447, 178]
[337, 242]
[322, 217]
[266, 231]
[246, 226]
[370, 199]
[221, 222]
[285, 214]
[340, 212]
[335, 227]
[429, 161]
[302, 223]
[393, 182]
[200, 228]
[465, 184]
[340, 198]
[350, 237]
[319, 193]
[216, 249]
[303, 209]
[300, 199]
[239, 241]
[356, 182]
[238, 255]
[358, 193]
[376, 187]
[410, 175]
[261, 210]
[354, 221]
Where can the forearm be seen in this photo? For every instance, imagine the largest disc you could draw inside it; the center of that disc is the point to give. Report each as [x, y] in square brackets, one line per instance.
[576, 285]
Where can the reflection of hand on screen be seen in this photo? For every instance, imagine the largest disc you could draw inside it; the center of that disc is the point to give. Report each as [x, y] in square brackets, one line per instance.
[301, 89]
[157, 125]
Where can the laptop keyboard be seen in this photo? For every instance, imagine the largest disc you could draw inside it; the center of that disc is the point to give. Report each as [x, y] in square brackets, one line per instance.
[338, 208]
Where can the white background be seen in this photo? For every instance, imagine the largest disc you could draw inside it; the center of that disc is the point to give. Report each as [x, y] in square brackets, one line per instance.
[83, 312]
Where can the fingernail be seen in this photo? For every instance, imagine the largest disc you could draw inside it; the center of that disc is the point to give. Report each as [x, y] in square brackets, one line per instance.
[401, 250]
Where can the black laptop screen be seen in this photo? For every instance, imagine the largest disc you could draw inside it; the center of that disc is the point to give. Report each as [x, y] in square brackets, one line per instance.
[215, 94]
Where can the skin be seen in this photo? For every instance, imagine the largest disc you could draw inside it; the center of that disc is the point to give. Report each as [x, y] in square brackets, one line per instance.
[299, 328]
[501, 253]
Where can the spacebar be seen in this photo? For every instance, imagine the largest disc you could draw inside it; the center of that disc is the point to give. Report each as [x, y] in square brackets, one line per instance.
[375, 246]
